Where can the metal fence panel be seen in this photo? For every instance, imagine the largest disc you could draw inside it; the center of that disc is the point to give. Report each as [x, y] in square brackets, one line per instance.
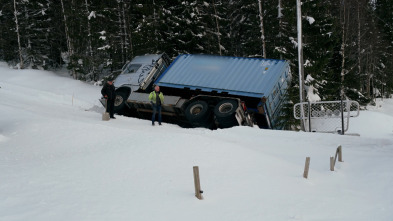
[326, 116]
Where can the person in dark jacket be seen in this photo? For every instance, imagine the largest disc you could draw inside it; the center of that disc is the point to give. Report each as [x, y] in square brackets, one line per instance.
[260, 116]
[108, 91]
[156, 98]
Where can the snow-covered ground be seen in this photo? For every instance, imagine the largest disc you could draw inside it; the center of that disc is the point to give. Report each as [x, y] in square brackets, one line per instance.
[60, 161]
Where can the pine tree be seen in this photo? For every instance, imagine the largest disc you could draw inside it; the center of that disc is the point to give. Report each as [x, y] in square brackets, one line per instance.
[178, 29]
[211, 22]
[384, 22]
[320, 38]
[243, 27]
[68, 56]
[8, 37]
[38, 34]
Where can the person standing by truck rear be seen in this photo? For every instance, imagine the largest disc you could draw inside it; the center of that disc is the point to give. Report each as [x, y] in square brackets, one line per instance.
[108, 91]
[156, 98]
[260, 116]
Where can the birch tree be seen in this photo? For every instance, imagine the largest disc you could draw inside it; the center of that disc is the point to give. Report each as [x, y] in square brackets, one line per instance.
[128, 28]
[218, 33]
[345, 17]
[359, 38]
[262, 29]
[68, 39]
[121, 31]
[89, 36]
[126, 32]
[280, 25]
[18, 35]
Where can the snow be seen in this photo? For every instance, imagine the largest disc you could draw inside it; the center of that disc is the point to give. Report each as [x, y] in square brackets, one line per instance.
[281, 50]
[311, 95]
[104, 47]
[307, 63]
[91, 15]
[310, 20]
[295, 44]
[59, 161]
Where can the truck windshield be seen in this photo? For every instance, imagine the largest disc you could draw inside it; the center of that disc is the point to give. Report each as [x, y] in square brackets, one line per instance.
[131, 68]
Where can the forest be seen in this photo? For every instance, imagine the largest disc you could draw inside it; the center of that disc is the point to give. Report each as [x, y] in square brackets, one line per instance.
[347, 43]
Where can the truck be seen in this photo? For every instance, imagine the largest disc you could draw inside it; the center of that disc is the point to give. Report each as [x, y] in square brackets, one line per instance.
[205, 90]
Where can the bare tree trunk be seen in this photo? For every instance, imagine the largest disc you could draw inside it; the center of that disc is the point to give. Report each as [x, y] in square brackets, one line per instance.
[342, 50]
[121, 33]
[280, 15]
[69, 43]
[156, 24]
[125, 31]
[18, 36]
[218, 28]
[262, 29]
[369, 64]
[130, 40]
[89, 30]
[359, 41]
[91, 54]
[372, 83]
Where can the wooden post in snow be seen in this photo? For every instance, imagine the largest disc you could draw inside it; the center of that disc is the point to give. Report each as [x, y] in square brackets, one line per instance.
[198, 191]
[340, 154]
[333, 159]
[306, 167]
[331, 163]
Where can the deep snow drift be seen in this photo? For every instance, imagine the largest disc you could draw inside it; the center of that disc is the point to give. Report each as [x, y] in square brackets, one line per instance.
[59, 161]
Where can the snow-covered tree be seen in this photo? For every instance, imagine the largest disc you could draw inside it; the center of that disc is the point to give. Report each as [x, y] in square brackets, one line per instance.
[347, 44]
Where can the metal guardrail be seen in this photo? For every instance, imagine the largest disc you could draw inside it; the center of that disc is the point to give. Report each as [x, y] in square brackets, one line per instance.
[326, 116]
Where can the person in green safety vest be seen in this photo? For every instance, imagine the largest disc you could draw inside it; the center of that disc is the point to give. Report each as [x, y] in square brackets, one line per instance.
[156, 99]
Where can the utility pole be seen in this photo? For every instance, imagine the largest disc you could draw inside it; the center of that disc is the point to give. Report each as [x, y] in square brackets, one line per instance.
[300, 58]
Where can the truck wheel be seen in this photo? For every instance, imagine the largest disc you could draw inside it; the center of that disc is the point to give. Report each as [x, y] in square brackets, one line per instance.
[120, 100]
[225, 112]
[197, 113]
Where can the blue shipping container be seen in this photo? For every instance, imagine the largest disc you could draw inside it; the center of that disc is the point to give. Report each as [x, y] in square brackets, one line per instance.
[250, 77]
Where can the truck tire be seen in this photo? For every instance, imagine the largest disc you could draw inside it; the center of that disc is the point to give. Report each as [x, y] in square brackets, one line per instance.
[225, 112]
[120, 101]
[198, 113]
